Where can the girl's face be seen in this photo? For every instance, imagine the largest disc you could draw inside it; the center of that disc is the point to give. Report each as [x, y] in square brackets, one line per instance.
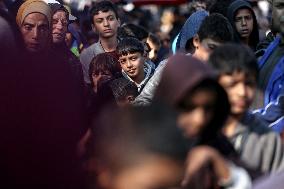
[198, 111]
[100, 77]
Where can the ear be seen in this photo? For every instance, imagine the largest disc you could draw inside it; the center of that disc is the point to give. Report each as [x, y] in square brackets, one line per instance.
[196, 41]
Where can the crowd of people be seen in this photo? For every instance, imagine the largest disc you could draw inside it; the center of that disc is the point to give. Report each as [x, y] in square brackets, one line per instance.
[126, 106]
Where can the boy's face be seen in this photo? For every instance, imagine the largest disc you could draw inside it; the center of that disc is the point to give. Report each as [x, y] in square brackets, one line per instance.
[133, 65]
[100, 77]
[198, 112]
[240, 88]
[106, 24]
[204, 48]
[278, 15]
[153, 50]
[152, 172]
[244, 22]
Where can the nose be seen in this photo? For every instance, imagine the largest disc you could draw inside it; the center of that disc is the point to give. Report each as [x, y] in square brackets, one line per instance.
[244, 22]
[106, 23]
[35, 33]
[242, 90]
[128, 64]
[199, 117]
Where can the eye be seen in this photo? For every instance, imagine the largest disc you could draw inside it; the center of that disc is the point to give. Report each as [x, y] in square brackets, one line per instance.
[98, 21]
[238, 19]
[133, 58]
[28, 27]
[111, 18]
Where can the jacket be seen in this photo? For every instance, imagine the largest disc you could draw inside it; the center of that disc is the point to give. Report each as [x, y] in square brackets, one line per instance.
[259, 147]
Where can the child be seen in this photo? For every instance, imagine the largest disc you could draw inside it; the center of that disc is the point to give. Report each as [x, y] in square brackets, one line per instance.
[124, 91]
[133, 62]
[103, 67]
[154, 43]
[259, 147]
[136, 148]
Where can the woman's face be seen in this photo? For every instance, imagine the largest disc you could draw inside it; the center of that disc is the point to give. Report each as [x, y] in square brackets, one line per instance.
[198, 111]
[99, 78]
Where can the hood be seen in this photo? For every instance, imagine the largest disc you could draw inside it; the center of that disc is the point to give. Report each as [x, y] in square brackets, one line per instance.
[190, 28]
[232, 10]
[181, 75]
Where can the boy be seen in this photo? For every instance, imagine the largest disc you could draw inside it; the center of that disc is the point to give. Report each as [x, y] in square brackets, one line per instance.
[259, 147]
[214, 31]
[105, 21]
[133, 62]
[129, 152]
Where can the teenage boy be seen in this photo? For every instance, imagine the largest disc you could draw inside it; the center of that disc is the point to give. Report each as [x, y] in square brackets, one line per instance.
[105, 22]
[213, 31]
[133, 62]
[259, 147]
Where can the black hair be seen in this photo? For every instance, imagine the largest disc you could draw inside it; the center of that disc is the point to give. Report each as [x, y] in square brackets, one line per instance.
[102, 62]
[216, 27]
[122, 87]
[104, 6]
[132, 30]
[130, 45]
[154, 39]
[122, 136]
[220, 6]
[229, 58]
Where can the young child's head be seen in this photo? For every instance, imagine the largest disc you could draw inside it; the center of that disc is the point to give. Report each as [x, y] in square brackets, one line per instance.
[103, 67]
[190, 86]
[131, 58]
[214, 31]
[154, 43]
[124, 91]
[137, 148]
[237, 70]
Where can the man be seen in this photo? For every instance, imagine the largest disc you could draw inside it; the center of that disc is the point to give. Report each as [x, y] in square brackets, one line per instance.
[105, 22]
[33, 19]
[271, 96]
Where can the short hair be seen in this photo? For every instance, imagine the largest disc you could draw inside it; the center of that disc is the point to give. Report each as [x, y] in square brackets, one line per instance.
[216, 27]
[129, 45]
[122, 87]
[104, 6]
[123, 136]
[154, 39]
[104, 61]
[132, 30]
[230, 58]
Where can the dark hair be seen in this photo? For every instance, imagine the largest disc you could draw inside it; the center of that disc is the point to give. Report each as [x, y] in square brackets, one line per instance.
[220, 6]
[104, 6]
[129, 45]
[216, 27]
[154, 39]
[104, 61]
[132, 30]
[229, 58]
[126, 134]
[122, 87]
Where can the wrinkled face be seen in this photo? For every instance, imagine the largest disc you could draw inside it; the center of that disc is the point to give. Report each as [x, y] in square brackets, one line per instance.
[153, 173]
[99, 78]
[153, 50]
[197, 112]
[106, 24]
[133, 65]
[35, 32]
[204, 48]
[278, 16]
[240, 88]
[59, 26]
[244, 22]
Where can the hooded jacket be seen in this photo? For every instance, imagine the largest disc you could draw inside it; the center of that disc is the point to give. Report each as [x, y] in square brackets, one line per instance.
[181, 75]
[232, 10]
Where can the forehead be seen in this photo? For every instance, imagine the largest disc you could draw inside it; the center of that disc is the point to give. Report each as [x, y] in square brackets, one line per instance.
[60, 14]
[237, 75]
[35, 18]
[129, 55]
[102, 14]
[210, 41]
[243, 11]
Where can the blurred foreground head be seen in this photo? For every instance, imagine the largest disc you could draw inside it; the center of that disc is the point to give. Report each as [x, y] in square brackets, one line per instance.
[137, 148]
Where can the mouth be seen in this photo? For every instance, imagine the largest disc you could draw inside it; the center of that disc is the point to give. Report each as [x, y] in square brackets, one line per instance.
[57, 35]
[107, 30]
[131, 71]
[245, 31]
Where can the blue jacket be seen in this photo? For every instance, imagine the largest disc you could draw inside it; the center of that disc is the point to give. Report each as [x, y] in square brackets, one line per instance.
[273, 111]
